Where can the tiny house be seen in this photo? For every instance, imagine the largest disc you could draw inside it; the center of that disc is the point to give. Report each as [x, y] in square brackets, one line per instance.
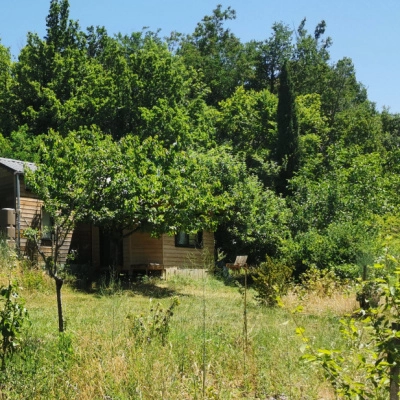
[21, 209]
[139, 252]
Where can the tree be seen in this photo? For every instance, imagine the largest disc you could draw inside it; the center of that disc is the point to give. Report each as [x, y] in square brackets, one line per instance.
[218, 54]
[287, 149]
[342, 90]
[6, 117]
[271, 55]
[65, 195]
[247, 122]
[310, 60]
[62, 33]
[122, 187]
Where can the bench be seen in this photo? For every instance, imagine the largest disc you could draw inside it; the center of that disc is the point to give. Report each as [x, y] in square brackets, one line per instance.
[240, 262]
[148, 268]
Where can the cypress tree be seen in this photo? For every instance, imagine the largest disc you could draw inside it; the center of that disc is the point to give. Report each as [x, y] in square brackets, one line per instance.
[287, 149]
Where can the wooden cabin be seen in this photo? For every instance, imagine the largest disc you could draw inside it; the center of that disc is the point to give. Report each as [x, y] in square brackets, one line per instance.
[21, 209]
[139, 252]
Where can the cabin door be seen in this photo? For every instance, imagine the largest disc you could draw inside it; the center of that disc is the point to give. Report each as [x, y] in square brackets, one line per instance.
[111, 249]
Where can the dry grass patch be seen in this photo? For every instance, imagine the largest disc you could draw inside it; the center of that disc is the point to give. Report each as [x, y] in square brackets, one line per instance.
[339, 303]
[207, 354]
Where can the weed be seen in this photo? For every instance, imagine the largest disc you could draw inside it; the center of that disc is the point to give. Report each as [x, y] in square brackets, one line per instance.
[155, 325]
[65, 347]
[110, 284]
[13, 317]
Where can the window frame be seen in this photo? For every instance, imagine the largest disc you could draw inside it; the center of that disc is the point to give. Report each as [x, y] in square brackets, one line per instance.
[46, 228]
[189, 240]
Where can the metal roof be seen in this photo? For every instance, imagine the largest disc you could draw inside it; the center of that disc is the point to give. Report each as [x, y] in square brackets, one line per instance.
[17, 165]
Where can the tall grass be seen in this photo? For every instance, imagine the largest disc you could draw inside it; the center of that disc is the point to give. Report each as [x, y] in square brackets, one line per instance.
[202, 358]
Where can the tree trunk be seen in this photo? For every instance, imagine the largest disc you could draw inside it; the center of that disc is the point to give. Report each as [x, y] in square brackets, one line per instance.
[59, 283]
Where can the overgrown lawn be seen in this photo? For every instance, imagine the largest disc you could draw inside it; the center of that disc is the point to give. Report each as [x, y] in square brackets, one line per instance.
[206, 355]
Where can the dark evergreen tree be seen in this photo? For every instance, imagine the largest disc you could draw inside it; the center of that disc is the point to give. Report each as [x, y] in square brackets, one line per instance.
[287, 150]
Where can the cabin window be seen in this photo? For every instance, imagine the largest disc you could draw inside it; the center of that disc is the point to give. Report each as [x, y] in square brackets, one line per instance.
[193, 240]
[47, 226]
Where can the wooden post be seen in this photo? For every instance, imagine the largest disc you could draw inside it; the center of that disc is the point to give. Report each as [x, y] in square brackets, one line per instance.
[395, 368]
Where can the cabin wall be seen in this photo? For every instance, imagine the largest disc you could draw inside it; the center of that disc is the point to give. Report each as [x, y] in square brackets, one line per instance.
[188, 257]
[30, 217]
[141, 248]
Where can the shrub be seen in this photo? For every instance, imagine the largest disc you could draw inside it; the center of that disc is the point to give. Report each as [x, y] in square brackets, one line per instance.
[321, 282]
[13, 317]
[369, 367]
[271, 280]
[155, 325]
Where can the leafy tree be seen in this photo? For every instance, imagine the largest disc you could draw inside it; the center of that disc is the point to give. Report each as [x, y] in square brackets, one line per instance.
[6, 117]
[271, 55]
[310, 60]
[247, 122]
[20, 145]
[335, 212]
[168, 98]
[121, 186]
[342, 90]
[255, 224]
[218, 54]
[391, 129]
[358, 125]
[65, 194]
[62, 33]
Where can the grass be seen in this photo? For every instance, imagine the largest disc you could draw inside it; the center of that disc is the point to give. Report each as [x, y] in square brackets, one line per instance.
[205, 356]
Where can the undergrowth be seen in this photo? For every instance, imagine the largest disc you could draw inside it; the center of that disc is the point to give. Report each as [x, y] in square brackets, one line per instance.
[197, 349]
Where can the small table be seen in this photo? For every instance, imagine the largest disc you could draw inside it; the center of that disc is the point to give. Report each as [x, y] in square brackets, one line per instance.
[148, 268]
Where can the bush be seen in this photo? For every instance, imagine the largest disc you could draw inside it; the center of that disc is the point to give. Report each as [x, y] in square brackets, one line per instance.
[271, 280]
[13, 317]
[321, 282]
[369, 367]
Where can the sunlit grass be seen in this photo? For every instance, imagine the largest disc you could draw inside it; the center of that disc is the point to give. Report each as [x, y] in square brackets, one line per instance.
[205, 356]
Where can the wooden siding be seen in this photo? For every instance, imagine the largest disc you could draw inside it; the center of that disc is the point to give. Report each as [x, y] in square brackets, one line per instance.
[31, 211]
[141, 248]
[187, 257]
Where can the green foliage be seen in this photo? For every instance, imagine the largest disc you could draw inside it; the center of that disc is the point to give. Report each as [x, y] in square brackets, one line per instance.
[364, 370]
[35, 280]
[271, 281]
[8, 255]
[6, 117]
[152, 327]
[271, 56]
[189, 133]
[13, 319]
[247, 122]
[218, 53]
[287, 148]
[256, 223]
[65, 346]
[310, 59]
[320, 282]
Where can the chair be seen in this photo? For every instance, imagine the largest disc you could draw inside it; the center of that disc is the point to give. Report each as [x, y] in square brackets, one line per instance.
[240, 262]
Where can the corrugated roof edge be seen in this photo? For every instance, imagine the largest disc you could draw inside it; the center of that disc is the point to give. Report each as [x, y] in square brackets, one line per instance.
[17, 165]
